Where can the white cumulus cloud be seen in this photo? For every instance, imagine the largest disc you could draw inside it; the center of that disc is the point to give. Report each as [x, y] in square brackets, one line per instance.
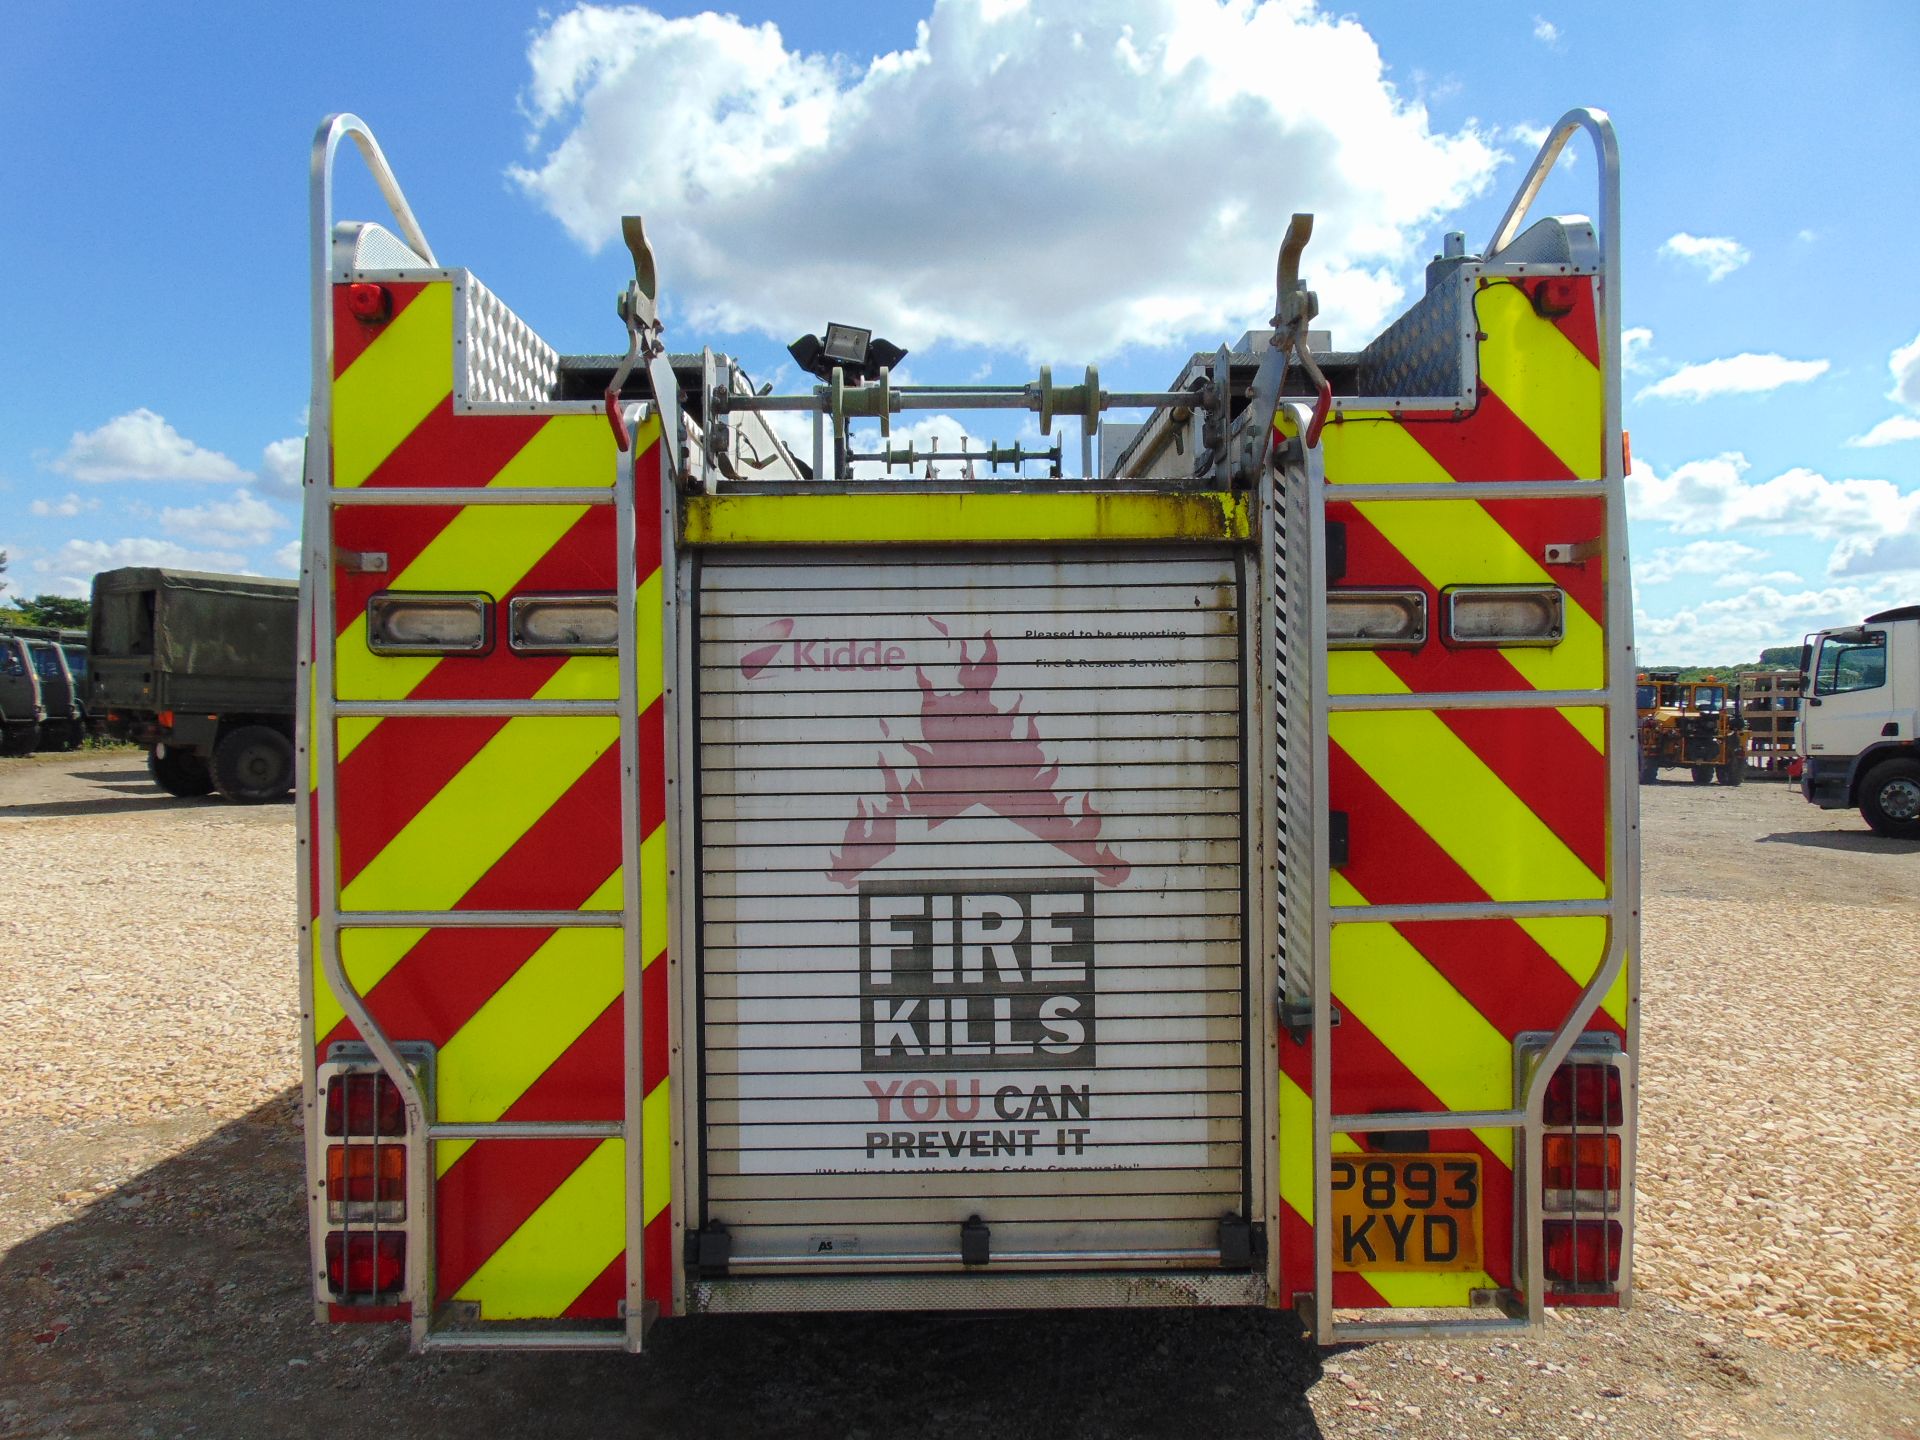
[1634, 345]
[1702, 557]
[1738, 627]
[66, 506]
[1717, 255]
[140, 445]
[1046, 177]
[1743, 374]
[283, 466]
[1890, 431]
[244, 520]
[1904, 363]
[1875, 526]
[72, 567]
[1545, 31]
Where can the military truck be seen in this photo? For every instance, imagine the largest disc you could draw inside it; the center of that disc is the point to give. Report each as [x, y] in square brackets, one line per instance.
[58, 658]
[21, 707]
[199, 669]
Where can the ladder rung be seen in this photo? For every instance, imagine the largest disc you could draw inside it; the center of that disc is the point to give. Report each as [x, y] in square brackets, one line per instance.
[472, 495]
[526, 1130]
[480, 919]
[1429, 1120]
[483, 709]
[524, 1340]
[1472, 910]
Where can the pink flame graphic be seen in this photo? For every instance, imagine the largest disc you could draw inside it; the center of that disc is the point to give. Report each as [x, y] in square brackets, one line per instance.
[757, 659]
[975, 753]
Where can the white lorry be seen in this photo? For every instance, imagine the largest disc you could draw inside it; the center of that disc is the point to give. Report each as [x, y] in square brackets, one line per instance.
[1859, 732]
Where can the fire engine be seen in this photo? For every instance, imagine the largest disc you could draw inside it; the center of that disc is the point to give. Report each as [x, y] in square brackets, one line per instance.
[731, 884]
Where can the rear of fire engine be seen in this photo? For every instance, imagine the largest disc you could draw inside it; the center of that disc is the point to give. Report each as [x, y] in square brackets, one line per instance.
[734, 886]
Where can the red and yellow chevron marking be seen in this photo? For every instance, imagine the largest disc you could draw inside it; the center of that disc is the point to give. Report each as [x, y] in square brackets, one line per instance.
[477, 814]
[1463, 805]
[1539, 407]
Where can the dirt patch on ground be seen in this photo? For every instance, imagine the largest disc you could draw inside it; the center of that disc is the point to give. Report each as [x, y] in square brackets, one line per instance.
[152, 1231]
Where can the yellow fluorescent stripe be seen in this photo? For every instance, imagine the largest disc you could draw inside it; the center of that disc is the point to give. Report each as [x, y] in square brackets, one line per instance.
[656, 1181]
[1577, 944]
[393, 385]
[583, 677]
[367, 955]
[1470, 813]
[653, 896]
[942, 517]
[1590, 721]
[562, 1247]
[1542, 376]
[1428, 1290]
[525, 1026]
[1377, 450]
[478, 815]
[1361, 672]
[1296, 1150]
[1413, 1010]
[568, 450]
[1456, 542]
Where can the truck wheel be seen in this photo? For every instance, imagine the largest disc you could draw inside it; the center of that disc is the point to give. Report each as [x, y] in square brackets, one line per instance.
[1890, 799]
[179, 772]
[1649, 772]
[20, 739]
[253, 765]
[1731, 773]
[1702, 774]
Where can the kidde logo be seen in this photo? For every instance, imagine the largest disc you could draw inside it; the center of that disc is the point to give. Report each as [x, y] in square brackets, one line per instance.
[844, 655]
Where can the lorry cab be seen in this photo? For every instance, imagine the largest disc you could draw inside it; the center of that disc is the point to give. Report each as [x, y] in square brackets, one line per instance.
[22, 706]
[1858, 726]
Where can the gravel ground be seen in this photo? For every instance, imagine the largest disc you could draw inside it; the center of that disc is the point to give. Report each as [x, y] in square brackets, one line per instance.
[151, 1230]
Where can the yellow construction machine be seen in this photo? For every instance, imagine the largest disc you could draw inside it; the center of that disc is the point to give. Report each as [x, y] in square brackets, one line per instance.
[1692, 723]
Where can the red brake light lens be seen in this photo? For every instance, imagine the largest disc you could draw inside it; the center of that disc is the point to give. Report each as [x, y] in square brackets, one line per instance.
[1580, 1162]
[1582, 1252]
[371, 303]
[367, 1103]
[366, 1265]
[1585, 1095]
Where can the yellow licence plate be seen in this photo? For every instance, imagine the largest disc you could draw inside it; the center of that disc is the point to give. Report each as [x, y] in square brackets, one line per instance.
[1406, 1212]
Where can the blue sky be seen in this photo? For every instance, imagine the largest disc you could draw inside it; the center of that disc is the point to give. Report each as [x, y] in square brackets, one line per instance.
[992, 184]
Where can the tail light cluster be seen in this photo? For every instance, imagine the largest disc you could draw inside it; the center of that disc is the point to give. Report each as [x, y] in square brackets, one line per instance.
[364, 1148]
[1584, 1156]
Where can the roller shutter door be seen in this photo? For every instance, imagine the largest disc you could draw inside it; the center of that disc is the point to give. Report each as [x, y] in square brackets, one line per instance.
[971, 905]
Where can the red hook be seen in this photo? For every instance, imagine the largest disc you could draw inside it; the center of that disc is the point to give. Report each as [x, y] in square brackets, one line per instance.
[1322, 407]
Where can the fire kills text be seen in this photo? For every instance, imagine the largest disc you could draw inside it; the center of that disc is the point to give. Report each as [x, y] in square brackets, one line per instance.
[976, 975]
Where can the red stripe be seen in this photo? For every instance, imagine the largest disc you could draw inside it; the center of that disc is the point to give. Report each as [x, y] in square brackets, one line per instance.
[442, 981]
[601, 1299]
[1550, 766]
[1502, 971]
[491, 1191]
[653, 1025]
[393, 773]
[1391, 860]
[1536, 524]
[1579, 324]
[653, 753]
[1490, 443]
[398, 532]
[352, 335]
[588, 1079]
[449, 449]
[566, 855]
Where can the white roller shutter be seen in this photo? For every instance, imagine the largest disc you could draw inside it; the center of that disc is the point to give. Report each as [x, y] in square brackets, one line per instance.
[971, 904]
